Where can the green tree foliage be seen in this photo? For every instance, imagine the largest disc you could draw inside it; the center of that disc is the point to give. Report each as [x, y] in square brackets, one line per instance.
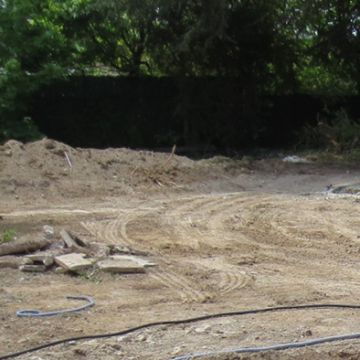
[279, 46]
[34, 50]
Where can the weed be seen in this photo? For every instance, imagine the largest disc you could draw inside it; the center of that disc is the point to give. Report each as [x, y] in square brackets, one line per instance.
[7, 236]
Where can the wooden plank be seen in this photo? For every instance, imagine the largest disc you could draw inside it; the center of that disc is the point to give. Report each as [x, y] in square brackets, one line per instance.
[74, 261]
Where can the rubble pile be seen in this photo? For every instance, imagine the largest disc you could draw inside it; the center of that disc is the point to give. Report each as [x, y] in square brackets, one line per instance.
[67, 253]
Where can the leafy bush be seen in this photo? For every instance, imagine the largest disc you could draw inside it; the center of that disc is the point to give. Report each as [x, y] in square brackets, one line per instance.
[337, 133]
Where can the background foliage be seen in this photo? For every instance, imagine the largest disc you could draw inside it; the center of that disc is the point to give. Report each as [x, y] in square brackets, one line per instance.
[270, 47]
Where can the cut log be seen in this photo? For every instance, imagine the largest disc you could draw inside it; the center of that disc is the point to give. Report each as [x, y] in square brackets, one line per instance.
[10, 262]
[25, 244]
[33, 268]
[74, 262]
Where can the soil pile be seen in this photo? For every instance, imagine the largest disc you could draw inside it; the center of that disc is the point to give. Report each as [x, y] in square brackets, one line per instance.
[50, 169]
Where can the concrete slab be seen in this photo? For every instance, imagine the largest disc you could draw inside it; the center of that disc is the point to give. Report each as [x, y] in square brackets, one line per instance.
[120, 266]
[74, 262]
[136, 259]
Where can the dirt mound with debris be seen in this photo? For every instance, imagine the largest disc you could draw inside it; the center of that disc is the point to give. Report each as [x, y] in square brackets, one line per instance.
[50, 169]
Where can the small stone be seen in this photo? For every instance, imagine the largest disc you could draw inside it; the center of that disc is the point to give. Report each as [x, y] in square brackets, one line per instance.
[177, 350]
[80, 351]
[8, 152]
[307, 333]
[202, 329]
[60, 270]
[142, 337]
[49, 231]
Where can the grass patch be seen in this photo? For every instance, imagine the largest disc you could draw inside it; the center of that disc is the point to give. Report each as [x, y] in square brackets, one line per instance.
[7, 236]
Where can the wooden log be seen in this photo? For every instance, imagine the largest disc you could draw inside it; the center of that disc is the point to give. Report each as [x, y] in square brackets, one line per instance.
[33, 268]
[25, 244]
[12, 262]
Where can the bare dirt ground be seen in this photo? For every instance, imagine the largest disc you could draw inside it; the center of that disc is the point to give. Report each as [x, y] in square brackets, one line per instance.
[226, 234]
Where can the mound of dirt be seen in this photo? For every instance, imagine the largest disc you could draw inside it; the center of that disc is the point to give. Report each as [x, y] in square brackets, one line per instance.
[50, 169]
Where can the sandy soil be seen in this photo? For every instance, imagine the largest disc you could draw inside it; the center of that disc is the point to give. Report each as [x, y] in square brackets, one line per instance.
[226, 234]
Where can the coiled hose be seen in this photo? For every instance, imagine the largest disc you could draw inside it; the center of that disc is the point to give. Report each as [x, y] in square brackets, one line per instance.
[208, 317]
[37, 313]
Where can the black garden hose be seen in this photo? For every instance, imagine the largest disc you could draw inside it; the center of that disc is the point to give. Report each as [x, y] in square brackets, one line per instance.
[202, 318]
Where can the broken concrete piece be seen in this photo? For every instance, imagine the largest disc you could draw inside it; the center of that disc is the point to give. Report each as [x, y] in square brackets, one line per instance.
[43, 259]
[120, 266]
[74, 262]
[69, 241]
[74, 243]
[33, 268]
[136, 259]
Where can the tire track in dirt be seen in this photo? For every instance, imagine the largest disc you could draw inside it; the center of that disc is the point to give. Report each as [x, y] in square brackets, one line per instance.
[184, 288]
[216, 210]
[115, 232]
[230, 281]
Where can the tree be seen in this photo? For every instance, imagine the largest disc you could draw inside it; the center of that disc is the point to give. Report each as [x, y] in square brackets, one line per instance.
[34, 50]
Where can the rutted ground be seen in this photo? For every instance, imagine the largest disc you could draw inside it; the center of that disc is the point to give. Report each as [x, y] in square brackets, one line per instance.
[225, 238]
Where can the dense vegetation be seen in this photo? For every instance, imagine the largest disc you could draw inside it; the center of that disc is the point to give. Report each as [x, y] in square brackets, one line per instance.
[270, 47]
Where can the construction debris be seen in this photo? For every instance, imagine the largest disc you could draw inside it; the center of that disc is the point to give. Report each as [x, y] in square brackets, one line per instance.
[74, 262]
[33, 268]
[10, 262]
[120, 266]
[40, 259]
[140, 261]
[49, 231]
[83, 255]
[25, 244]
[73, 243]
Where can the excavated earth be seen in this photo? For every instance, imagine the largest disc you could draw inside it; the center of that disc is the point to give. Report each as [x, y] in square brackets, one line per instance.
[227, 235]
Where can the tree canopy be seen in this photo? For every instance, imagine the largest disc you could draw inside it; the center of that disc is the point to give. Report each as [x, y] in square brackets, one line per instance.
[279, 46]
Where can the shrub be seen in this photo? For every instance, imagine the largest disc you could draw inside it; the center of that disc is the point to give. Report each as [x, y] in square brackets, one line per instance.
[337, 133]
